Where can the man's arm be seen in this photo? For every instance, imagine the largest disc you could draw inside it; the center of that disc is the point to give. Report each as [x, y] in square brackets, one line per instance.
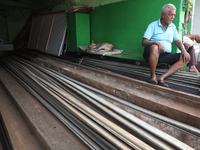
[186, 55]
[146, 42]
[195, 37]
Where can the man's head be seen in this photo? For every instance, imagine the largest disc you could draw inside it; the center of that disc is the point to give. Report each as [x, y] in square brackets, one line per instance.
[168, 13]
[188, 16]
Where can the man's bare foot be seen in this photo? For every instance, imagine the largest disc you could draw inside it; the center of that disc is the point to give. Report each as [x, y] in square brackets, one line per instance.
[193, 69]
[153, 81]
[162, 83]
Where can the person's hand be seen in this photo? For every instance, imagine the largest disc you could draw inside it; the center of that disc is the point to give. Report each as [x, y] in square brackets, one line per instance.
[161, 48]
[197, 38]
[186, 57]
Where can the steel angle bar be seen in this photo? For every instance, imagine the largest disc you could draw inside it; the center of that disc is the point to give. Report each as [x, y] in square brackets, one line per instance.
[104, 122]
[188, 77]
[145, 72]
[137, 121]
[179, 125]
[149, 137]
[30, 84]
[92, 134]
[122, 69]
[127, 123]
[21, 81]
[82, 116]
[146, 126]
[36, 81]
[182, 126]
[87, 92]
[185, 83]
[40, 74]
[83, 137]
[84, 127]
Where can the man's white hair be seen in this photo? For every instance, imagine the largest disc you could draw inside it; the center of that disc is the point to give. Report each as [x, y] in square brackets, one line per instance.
[167, 8]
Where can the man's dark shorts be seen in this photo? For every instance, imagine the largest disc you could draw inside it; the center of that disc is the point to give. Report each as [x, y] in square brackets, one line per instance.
[164, 57]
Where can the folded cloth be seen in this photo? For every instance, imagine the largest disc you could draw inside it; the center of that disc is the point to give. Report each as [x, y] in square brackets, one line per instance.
[188, 41]
[101, 52]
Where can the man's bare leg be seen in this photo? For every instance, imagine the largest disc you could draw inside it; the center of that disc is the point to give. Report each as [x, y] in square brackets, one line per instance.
[153, 60]
[192, 62]
[174, 68]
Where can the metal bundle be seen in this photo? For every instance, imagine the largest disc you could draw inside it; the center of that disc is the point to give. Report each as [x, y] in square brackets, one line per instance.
[97, 122]
[182, 78]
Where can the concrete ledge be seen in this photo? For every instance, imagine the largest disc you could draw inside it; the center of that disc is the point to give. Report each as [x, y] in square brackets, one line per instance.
[50, 132]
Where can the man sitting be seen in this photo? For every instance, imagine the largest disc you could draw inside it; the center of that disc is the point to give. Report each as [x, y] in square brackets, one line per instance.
[188, 42]
[157, 41]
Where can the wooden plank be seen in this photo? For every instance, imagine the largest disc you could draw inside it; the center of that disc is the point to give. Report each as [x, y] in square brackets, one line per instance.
[50, 33]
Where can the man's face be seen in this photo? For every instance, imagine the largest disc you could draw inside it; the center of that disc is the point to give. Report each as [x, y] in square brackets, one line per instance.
[169, 16]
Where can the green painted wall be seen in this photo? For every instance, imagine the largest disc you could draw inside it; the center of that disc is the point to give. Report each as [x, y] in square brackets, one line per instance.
[124, 23]
[78, 30]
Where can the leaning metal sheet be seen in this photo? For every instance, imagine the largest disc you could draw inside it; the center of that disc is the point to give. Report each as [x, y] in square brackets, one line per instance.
[35, 32]
[58, 31]
[45, 32]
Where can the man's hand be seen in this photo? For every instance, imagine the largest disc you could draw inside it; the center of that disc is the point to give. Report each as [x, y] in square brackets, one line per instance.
[184, 53]
[197, 38]
[161, 48]
[186, 57]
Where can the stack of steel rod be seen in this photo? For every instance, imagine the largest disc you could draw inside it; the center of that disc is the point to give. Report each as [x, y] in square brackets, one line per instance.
[96, 121]
[190, 80]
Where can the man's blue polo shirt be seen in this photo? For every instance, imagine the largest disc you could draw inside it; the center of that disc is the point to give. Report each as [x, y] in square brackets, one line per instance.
[156, 32]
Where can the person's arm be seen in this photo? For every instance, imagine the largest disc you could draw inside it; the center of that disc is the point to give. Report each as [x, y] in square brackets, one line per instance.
[195, 37]
[186, 55]
[146, 42]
